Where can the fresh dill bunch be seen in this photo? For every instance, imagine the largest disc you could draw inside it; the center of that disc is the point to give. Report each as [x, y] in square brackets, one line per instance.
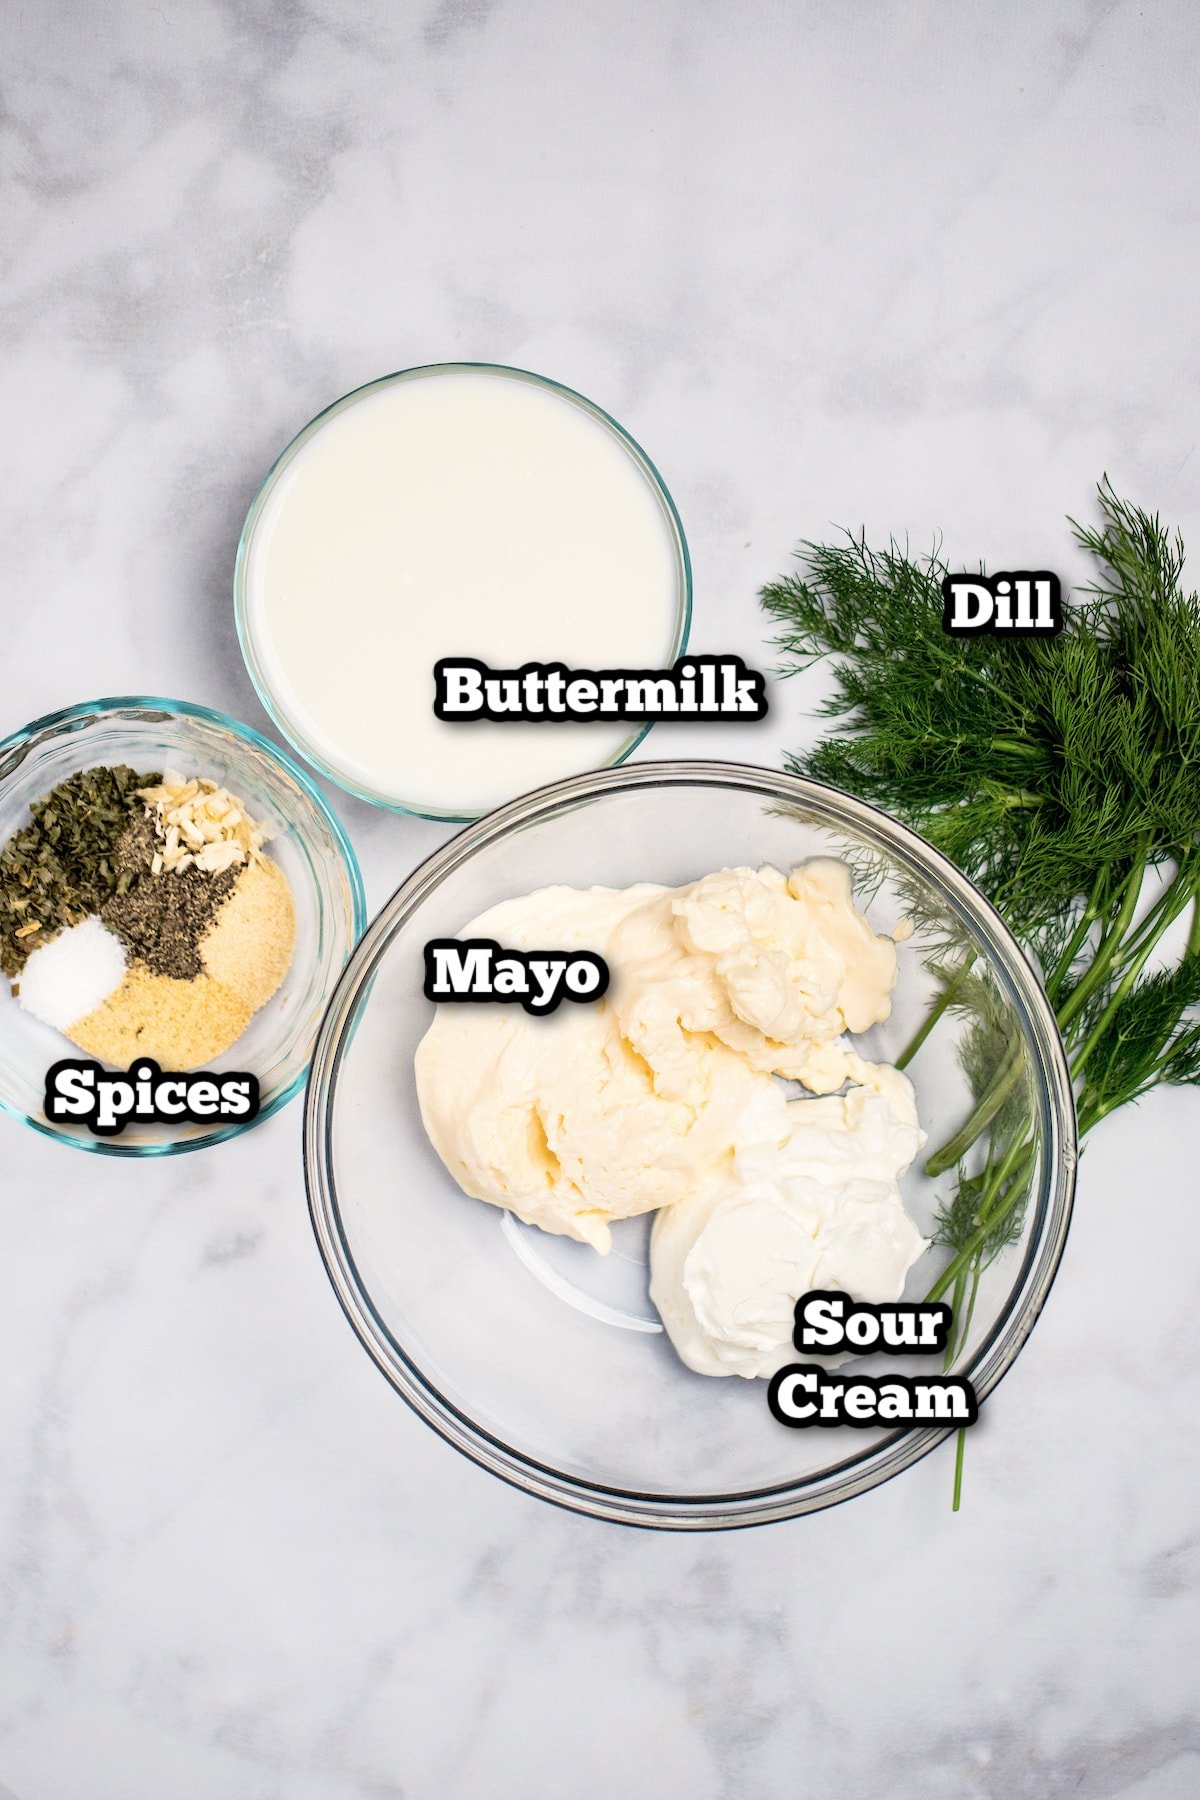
[1028, 762]
[1055, 772]
[1062, 775]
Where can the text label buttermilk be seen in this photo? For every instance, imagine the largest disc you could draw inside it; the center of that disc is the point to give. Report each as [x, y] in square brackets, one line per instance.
[697, 687]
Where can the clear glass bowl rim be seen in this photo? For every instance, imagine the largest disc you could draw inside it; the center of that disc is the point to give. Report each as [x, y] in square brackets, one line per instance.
[1050, 1206]
[27, 737]
[278, 718]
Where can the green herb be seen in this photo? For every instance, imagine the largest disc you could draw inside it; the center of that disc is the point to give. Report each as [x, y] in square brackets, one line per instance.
[63, 865]
[1059, 774]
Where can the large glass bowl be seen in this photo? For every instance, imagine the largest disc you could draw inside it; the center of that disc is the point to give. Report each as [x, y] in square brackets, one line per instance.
[307, 842]
[531, 1354]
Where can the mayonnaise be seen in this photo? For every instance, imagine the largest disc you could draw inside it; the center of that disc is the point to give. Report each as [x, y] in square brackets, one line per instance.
[663, 1097]
[563, 1120]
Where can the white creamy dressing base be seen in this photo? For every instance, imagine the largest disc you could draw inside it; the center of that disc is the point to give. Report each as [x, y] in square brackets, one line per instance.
[467, 513]
[663, 1098]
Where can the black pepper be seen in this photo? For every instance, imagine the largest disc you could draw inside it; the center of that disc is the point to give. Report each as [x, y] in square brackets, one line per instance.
[162, 918]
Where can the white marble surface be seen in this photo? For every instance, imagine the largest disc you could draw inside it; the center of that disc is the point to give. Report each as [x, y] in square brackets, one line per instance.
[907, 265]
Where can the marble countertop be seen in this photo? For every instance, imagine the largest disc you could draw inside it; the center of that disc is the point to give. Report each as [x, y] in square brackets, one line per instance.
[900, 265]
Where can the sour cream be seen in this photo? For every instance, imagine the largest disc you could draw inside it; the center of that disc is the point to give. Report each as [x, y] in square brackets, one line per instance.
[821, 1208]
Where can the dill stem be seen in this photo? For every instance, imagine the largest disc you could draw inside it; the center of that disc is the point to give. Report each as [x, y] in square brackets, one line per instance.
[959, 1328]
[1111, 940]
[1180, 894]
[961, 1331]
[956, 1300]
[1012, 746]
[981, 1116]
[1090, 1112]
[1074, 945]
[1078, 937]
[1180, 890]
[944, 1000]
[959, 1452]
[1107, 954]
[961, 1317]
[974, 1295]
[994, 1206]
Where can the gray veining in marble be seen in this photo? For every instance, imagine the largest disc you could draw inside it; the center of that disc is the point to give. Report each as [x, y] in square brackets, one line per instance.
[911, 266]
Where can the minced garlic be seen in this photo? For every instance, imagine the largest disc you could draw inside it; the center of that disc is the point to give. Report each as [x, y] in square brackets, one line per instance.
[200, 824]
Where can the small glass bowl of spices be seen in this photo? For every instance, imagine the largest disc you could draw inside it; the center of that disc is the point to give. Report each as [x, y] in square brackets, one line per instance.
[172, 886]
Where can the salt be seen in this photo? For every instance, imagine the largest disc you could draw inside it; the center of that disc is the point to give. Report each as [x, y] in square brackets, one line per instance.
[73, 974]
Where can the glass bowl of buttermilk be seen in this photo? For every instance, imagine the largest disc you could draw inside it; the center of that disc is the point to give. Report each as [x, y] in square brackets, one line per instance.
[450, 510]
[175, 897]
[573, 1240]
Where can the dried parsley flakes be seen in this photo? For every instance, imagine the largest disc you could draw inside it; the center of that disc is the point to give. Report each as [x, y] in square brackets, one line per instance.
[63, 865]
